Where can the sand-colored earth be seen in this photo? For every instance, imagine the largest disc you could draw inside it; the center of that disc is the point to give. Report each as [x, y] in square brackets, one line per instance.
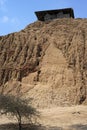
[59, 118]
[49, 59]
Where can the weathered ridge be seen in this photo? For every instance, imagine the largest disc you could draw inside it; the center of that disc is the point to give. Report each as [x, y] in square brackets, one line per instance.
[46, 61]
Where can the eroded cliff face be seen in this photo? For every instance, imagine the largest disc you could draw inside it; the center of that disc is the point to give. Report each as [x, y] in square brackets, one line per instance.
[46, 61]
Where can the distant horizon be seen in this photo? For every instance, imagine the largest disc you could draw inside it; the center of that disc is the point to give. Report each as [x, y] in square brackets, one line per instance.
[16, 15]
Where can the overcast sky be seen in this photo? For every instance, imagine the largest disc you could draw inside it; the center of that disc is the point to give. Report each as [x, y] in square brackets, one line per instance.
[17, 14]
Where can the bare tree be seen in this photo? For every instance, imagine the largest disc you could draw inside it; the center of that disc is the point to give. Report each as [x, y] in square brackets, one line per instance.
[17, 107]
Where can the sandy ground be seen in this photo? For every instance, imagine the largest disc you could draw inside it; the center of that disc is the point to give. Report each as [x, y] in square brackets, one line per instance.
[67, 118]
[59, 118]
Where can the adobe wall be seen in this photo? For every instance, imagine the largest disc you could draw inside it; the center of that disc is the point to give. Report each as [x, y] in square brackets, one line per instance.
[54, 16]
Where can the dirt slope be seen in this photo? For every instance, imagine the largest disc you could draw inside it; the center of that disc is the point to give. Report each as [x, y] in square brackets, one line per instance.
[46, 61]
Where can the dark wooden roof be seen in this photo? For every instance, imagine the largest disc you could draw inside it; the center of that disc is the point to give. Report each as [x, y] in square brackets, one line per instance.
[40, 14]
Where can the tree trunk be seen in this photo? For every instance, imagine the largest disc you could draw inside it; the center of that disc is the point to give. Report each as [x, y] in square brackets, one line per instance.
[20, 127]
[19, 119]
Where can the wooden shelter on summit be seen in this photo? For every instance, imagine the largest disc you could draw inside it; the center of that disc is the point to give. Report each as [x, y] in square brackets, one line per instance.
[54, 14]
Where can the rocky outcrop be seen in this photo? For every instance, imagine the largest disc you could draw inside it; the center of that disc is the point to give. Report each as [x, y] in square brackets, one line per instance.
[48, 61]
